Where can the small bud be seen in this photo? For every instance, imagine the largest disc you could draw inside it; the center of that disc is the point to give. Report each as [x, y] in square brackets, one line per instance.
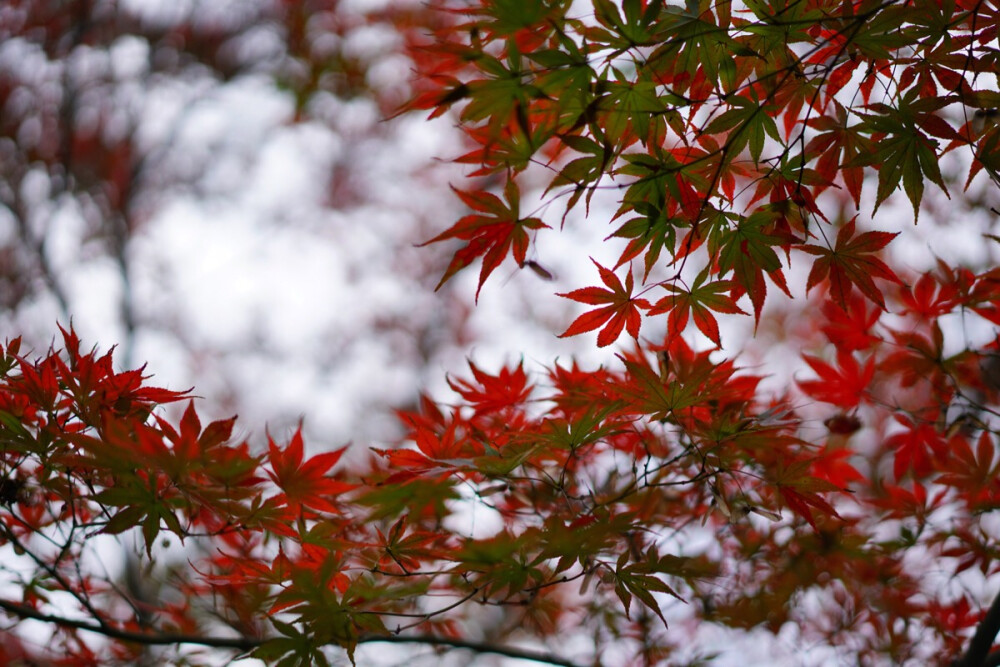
[842, 424]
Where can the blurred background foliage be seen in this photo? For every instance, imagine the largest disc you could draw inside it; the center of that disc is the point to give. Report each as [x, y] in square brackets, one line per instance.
[211, 186]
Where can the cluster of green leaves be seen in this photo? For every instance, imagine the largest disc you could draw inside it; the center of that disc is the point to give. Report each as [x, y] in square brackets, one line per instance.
[723, 123]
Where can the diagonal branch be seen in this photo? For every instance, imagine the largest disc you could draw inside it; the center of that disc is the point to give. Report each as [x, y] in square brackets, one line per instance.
[148, 638]
[979, 647]
[248, 643]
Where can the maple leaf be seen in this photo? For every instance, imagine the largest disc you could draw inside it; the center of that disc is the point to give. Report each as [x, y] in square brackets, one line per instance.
[851, 262]
[698, 302]
[975, 476]
[900, 502]
[800, 490]
[649, 235]
[747, 250]
[636, 580]
[832, 465]
[748, 120]
[406, 550]
[622, 311]
[439, 450]
[836, 146]
[844, 387]
[190, 443]
[496, 392]
[850, 328]
[492, 232]
[305, 483]
[682, 386]
[800, 502]
[904, 153]
[918, 358]
[914, 447]
[928, 299]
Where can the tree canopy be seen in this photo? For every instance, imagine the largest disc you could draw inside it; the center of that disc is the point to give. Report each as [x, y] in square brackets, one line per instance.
[842, 493]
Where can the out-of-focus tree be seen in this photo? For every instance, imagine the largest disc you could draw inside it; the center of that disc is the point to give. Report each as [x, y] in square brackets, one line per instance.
[195, 180]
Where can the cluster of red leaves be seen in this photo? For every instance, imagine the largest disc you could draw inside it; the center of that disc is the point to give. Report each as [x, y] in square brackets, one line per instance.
[738, 139]
[292, 551]
[85, 454]
[730, 136]
[296, 557]
[289, 546]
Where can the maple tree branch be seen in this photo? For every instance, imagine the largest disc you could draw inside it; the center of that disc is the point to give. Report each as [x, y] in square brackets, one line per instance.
[978, 654]
[52, 571]
[478, 647]
[148, 638]
[248, 643]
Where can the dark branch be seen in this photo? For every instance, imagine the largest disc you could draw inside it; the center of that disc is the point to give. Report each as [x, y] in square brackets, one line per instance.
[979, 646]
[148, 638]
[249, 643]
[478, 647]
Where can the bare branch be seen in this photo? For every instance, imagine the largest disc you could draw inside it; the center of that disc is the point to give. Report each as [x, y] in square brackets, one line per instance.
[249, 643]
[478, 647]
[978, 653]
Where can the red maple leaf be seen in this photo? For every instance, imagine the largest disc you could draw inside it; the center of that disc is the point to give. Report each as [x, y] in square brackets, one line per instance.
[305, 483]
[850, 328]
[494, 392]
[832, 465]
[492, 232]
[845, 386]
[697, 303]
[801, 490]
[928, 299]
[851, 262]
[622, 311]
[914, 447]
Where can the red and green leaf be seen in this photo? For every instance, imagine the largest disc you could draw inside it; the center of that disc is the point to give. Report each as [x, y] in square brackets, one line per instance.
[492, 232]
[852, 262]
[619, 309]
